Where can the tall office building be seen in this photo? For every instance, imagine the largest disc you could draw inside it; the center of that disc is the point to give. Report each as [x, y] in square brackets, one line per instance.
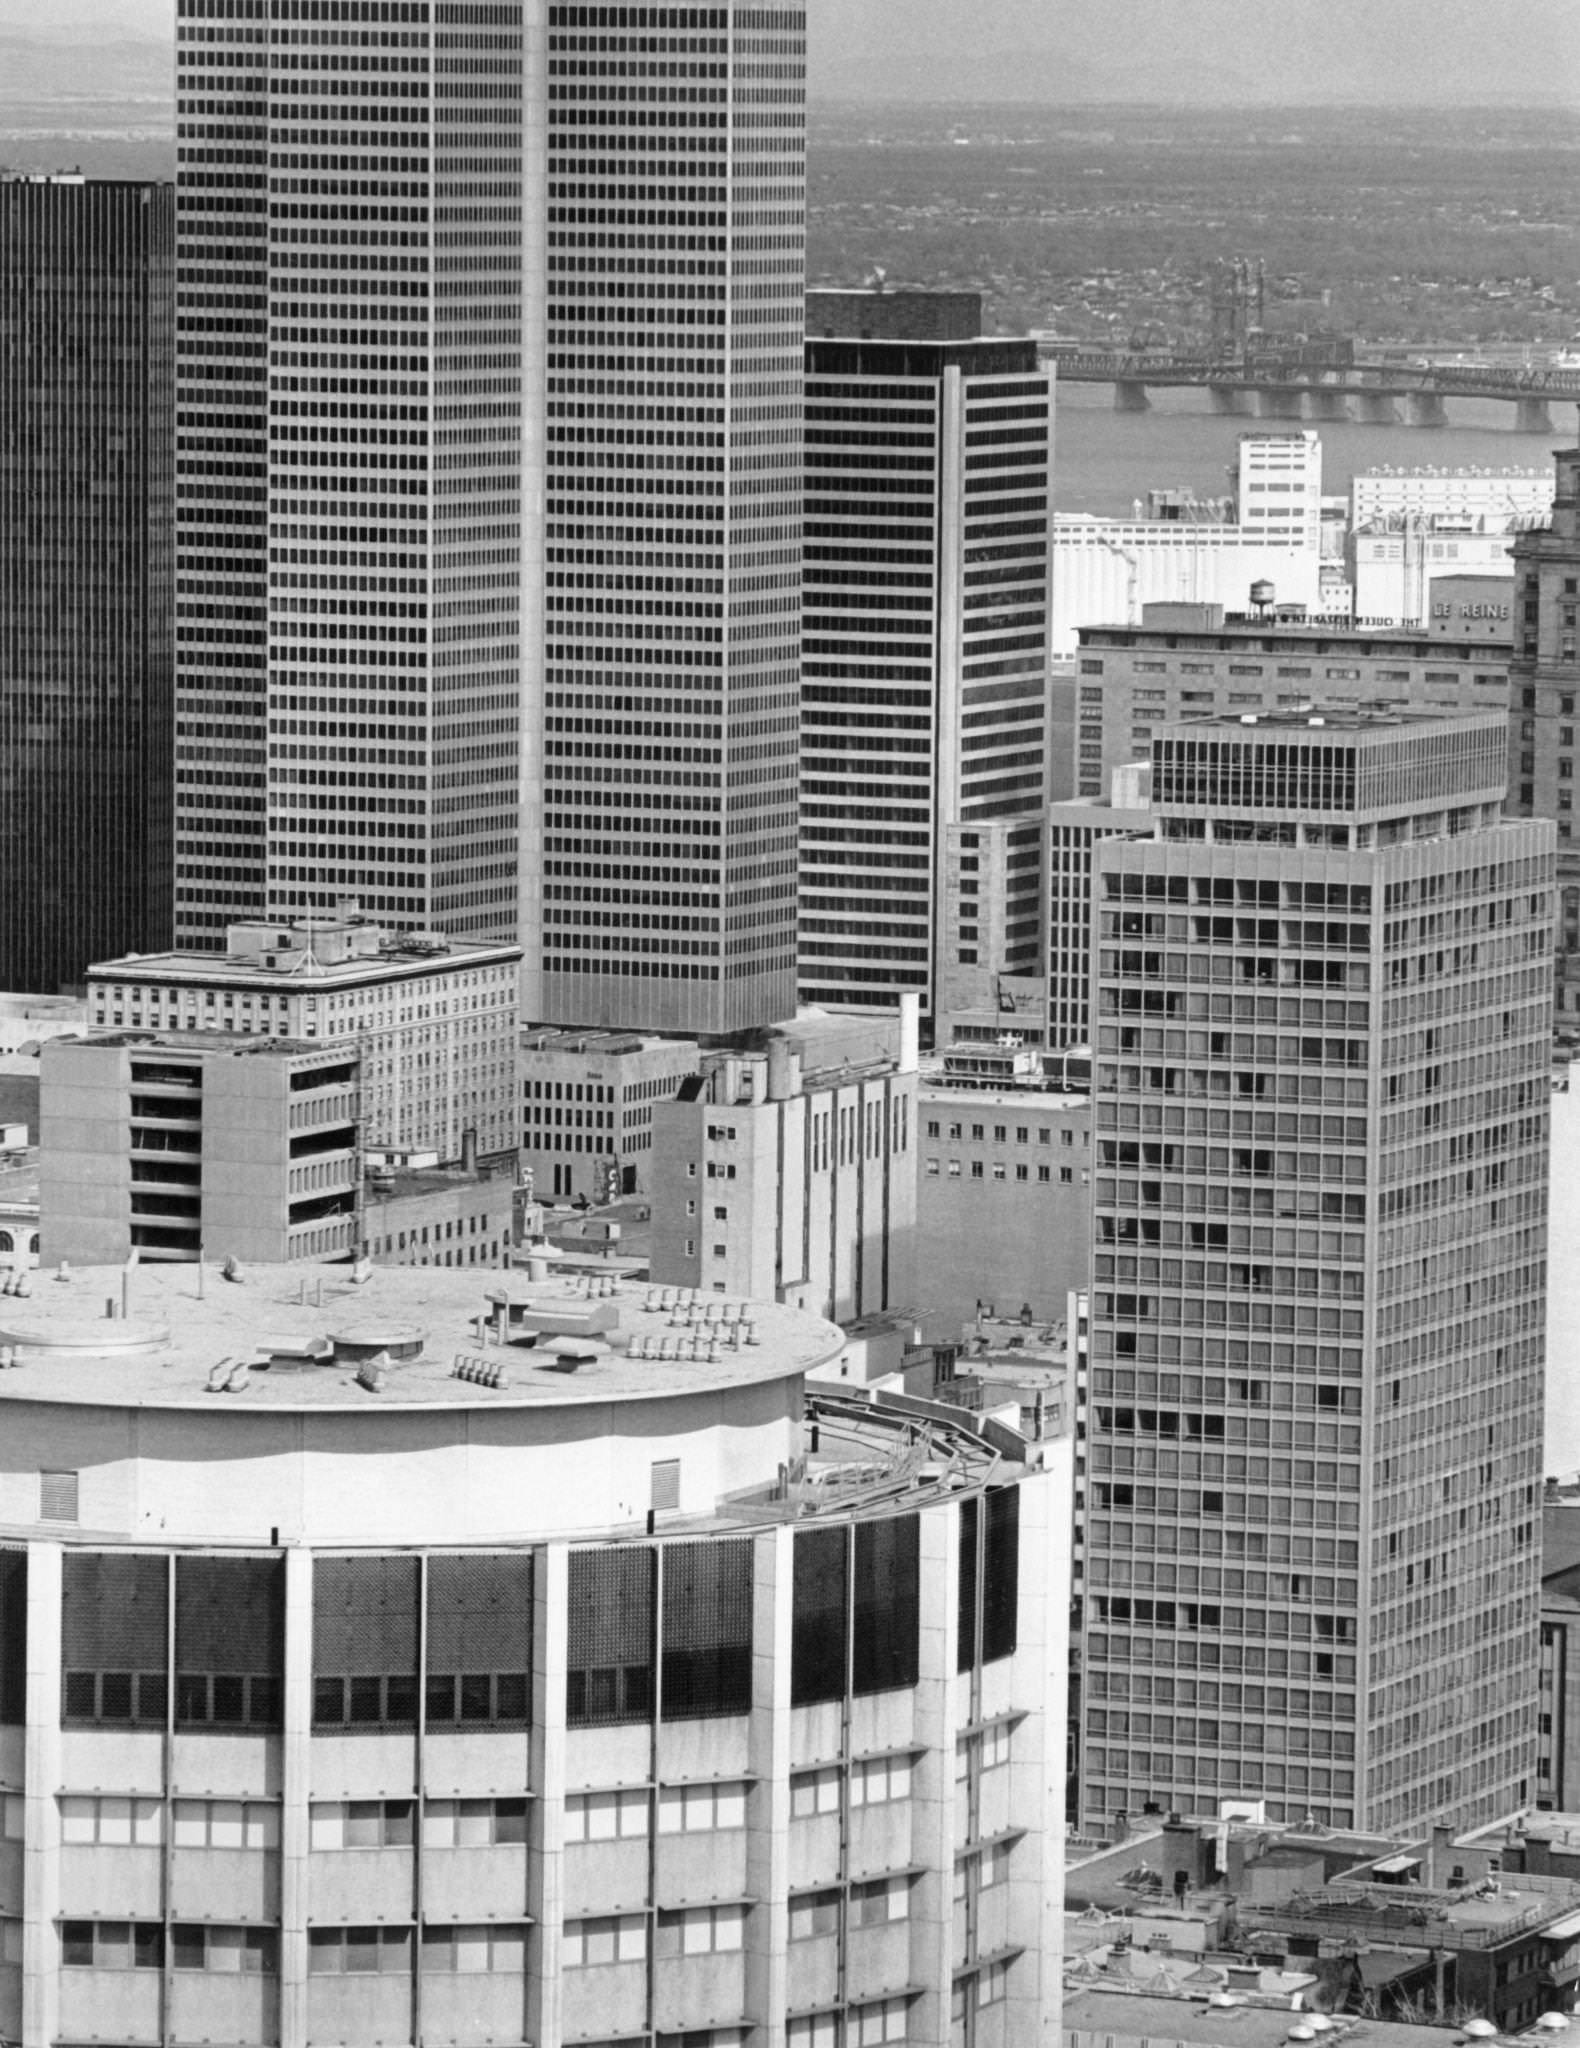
[87, 278]
[348, 496]
[1544, 679]
[1315, 1420]
[662, 808]
[925, 690]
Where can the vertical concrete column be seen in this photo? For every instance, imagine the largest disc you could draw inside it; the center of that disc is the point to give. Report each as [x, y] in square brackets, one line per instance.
[546, 1857]
[1041, 1692]
[41, 1814]
[296, 1769]
[768, 1809]
[938, 1685]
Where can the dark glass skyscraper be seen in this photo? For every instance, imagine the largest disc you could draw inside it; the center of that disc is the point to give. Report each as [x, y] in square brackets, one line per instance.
[86, 584]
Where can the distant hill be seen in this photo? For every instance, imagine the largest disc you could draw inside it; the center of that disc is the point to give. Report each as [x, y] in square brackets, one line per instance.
[73, 65]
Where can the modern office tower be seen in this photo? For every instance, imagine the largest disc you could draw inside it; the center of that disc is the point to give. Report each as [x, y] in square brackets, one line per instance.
[662, 809]
[1321, 1102]
[433, 1020]
[87, 381]
[1186, 660]
[925, 689]
[788, 1172]
[401, 1687]
[175, 1147]
[348, 501]
[1544, 679]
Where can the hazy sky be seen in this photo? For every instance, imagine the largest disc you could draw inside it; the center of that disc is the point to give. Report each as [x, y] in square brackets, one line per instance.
[1204, 51]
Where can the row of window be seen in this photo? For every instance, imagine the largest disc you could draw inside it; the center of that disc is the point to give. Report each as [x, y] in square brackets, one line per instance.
[1001, 1133]
[1001, 1171]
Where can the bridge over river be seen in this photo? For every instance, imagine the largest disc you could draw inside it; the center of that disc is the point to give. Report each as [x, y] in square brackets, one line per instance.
[1282, 389]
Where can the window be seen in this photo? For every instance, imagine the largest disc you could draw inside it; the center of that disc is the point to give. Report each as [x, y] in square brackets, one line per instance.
[363, 1824]
[606, 1816]
[234, 1951]
[57, 1496]
[814, 2030]
[814, 1914]
[993, 1867]
[13, 1817]
[474, 1951]
[876, 1903]
[226, 1824]
[814, 1792]
[879, 1779]
[358, 1951]
[869, 2024]
[110, 1822]
[112, 1944]
[932, 1168]
[474, 1823]
[695, 1809]
[619, 1938]
[995, 1745]
[700, 1931]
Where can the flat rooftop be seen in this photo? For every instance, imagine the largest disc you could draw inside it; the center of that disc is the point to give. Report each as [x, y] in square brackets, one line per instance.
[293, 1339]
[1133, 2016]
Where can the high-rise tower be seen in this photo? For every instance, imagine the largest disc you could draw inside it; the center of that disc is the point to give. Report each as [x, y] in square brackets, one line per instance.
[925, 698]
[349, 244]
[1321, 1107]
[661, 815]
[1544, 682]
[87, 277]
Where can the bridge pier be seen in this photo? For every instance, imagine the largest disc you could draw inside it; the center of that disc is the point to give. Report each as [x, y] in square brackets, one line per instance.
[1279, 402]
[1328, 405]
[1425, 409]
[1232, 401]
[1377, 408]
[1130, 395]
[1532, 416]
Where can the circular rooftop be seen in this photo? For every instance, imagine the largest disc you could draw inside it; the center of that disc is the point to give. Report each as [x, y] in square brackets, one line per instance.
[314, 1338]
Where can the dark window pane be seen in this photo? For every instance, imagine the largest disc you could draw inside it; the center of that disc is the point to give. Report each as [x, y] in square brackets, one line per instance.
[230, 1698]
[819, 1618]
[440, 1699]
[1001, 1574]
[82, 1693]
[192, 1702]
[511, 1696]
[477, 1698]
[610, 1623]
[885, 1632]
[365, 1630]
[707, 1629]
[13, 1637]
[115, 1696]
[367, 1700]
[230, 1624]
[329, 1701]
[970, 1522]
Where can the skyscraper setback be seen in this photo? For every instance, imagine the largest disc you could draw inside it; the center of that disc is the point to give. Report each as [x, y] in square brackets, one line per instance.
[1323, 1008]
[662, 812]
[87, 275]
[349, 461]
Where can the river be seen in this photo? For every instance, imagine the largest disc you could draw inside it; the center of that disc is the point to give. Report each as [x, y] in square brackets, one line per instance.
[1105, 460]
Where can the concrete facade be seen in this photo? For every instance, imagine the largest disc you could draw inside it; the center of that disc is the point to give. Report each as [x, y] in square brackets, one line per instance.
[365, 1702]
[1321, 1108]
[1133, 680]
[179, 1148]
[442, 1217]
[790, 1174]
[1003, 1198]
[588, 1100]
[433, 1020]
[1544, 681]
[990, 965]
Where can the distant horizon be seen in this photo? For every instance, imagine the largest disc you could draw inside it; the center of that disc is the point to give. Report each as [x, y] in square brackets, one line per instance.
[1214, 56]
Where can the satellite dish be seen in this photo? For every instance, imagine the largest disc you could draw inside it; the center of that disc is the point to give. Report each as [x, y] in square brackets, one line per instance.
[1481, 2030]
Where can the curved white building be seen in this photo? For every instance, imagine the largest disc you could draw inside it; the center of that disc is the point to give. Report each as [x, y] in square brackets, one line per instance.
[437, 1660]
